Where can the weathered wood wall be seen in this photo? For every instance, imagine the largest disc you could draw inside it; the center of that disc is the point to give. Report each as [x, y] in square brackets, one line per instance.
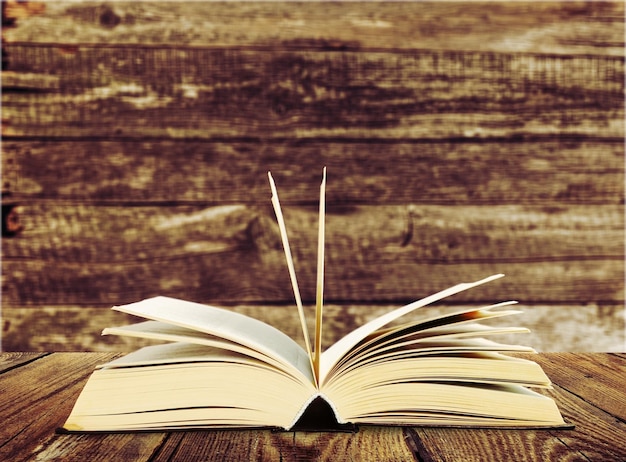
[461, 139]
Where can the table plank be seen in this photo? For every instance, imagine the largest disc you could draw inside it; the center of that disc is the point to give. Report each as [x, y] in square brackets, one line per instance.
[239, 94]
[80, 448]
[598, 433]
[369, 443]
[47, 386]
[599, 379]
[374, 172]
[15, 359]
[112, 255]
[545, 27]
[478, 445]
[589, 389]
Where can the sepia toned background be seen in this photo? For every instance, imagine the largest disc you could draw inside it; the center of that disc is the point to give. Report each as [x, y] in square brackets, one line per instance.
[461, 139]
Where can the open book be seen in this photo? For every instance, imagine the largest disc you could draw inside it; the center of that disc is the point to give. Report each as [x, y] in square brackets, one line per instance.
[221, 369]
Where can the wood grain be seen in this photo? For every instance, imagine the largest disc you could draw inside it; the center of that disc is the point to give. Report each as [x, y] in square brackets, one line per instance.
[240, 93]
[371, 172]
[607, 375]
[16, 359]
[460, 444]
[535, 27]
[233, 253]
[601, 413]
[371, 234]
[598, 435]
[461, 139]
[37, 396]
[375, 443]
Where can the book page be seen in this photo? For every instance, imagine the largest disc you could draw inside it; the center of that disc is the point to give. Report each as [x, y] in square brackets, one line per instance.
[467, 315]
[157, 330]
[180, 352]
[319, 297]
[333, 354]
[467, 339]
[458, 324]
[457, 385]
[290, 266]
[443, 345]
[229, 325]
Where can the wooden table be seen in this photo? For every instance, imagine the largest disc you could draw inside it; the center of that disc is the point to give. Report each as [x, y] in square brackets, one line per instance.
[37, 391]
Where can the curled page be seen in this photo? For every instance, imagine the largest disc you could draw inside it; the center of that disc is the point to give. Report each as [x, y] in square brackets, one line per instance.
[338, 350]
[290, 266]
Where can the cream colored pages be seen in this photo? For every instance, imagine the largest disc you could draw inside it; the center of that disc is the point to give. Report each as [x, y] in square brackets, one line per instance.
[319, 296]
[462, 324]
[332, 355]
[162, 331]
[290, 266]
[179, 352]
[219, 389]
[232, 326]
[463, 316]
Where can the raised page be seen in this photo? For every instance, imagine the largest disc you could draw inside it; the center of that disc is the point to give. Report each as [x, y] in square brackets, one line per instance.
[292, 271]
[319, 299]
[157, 330]
[223, 323]
[338, 350]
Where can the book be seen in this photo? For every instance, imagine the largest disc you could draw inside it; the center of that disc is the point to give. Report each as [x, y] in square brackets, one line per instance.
[216, 368]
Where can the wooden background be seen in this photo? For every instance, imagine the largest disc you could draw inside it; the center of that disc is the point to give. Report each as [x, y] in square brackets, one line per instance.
[461, 140]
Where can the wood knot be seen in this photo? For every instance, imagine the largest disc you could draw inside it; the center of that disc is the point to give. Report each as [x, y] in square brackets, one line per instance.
[108, 17]
[262, 233]
[11, 225]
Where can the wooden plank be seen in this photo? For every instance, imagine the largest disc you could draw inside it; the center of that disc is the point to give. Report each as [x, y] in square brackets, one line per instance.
[24, 385]
[599, 379]
[553, 327]
[375, 443]
[374, 254]
[112, 446]
[240, 93]
[546, 27]
[373, 234]
[15, 11]
[372, 172]
[17, 358]
[597, 410]
[474, 445]
[598, 434]
[48, 389]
